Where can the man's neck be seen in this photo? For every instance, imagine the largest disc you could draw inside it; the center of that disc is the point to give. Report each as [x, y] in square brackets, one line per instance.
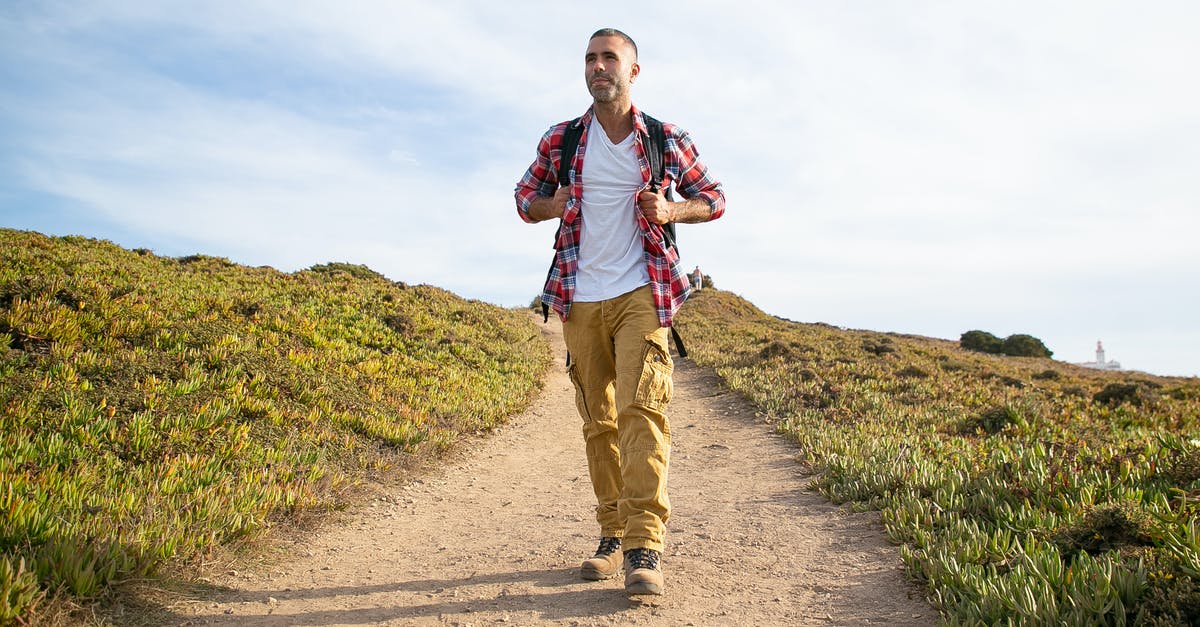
[615, 117]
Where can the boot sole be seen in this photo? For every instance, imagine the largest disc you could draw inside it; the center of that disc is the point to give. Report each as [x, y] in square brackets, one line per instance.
[591, 574]
[643, 587]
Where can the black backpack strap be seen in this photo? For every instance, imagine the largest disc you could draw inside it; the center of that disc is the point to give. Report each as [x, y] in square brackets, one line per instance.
[655, 143]
[678, 343]
[570, 143]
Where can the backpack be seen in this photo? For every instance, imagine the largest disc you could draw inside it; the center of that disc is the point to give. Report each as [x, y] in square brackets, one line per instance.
[654, 140]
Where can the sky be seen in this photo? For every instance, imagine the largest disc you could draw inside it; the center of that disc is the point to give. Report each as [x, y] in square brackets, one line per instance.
[924, 167]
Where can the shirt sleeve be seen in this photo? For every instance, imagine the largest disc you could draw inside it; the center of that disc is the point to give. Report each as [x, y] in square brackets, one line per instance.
[692, 177]
[541, 179]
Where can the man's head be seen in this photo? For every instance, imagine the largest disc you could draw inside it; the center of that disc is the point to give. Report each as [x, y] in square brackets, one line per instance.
[610, 65]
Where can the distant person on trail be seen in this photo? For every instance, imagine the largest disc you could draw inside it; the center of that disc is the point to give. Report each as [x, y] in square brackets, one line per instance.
[616, 283]
[697, 279]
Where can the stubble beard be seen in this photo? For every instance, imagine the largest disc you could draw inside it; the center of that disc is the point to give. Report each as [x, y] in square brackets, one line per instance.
[606, 93]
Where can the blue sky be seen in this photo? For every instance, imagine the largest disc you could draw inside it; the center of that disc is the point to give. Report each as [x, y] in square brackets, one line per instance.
[924, 167]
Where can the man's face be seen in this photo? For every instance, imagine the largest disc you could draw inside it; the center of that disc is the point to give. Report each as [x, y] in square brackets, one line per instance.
[609, 68]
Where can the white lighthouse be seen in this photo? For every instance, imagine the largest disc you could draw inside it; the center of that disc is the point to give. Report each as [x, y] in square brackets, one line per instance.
[1100, 363]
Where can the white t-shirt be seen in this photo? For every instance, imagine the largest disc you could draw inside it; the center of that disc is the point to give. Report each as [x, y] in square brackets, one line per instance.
[611, 258]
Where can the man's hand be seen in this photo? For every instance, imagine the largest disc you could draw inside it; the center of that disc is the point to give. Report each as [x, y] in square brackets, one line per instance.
[654, 206]
[550, 207]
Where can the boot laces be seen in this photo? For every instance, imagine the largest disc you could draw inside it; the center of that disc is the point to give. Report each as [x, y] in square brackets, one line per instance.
[642, 558]
[608, 546]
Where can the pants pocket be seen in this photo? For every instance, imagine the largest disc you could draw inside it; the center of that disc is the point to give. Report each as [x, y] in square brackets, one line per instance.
[655, 386]
[580, 397]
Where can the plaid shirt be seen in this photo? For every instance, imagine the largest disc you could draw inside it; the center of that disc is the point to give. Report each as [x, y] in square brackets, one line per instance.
[681, 168]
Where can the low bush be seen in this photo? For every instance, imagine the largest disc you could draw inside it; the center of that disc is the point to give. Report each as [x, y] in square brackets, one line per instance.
[980, 341]
[1132, 392]
[1016, 345]
[1021, 345]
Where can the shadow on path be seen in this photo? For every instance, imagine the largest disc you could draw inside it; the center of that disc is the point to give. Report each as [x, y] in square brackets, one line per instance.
[444, 600]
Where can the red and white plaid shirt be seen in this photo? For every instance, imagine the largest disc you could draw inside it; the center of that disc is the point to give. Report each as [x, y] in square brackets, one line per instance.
[681, 168]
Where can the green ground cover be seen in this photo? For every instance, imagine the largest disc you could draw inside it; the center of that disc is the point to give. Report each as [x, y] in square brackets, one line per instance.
[1020, 490]
[152, 408]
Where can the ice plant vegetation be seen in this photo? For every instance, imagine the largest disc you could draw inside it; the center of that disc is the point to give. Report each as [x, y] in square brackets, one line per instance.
[1021, 490]
[152, 408]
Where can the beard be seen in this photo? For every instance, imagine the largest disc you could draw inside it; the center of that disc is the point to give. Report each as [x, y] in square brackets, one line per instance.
[607, 92]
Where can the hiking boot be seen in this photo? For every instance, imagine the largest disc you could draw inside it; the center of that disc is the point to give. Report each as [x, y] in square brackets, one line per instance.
[606, 563]
[642, 574]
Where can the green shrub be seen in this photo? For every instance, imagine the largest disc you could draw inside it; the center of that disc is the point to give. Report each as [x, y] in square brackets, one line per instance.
[1132, 392]
[1171, 598]
[1017, 345]
[357, 271]
[879, 346]
[1021, 345]
[980, 341]
[912, 371]
[992, 421]
[1103, 529]
[776, 349]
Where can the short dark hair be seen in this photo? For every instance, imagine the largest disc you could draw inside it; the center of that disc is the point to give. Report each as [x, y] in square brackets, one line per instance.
[612, 32]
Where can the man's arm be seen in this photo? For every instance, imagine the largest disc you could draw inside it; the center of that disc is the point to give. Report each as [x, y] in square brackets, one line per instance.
[537, 192]
[548, 207]
[658, 210]
[703, 193]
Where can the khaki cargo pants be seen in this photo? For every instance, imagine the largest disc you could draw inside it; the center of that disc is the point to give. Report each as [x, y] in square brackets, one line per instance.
[621, 369]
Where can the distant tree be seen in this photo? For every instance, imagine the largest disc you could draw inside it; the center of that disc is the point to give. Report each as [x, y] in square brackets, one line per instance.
[1021, 345]
[355, 270]
[707, 283]
[980, 341]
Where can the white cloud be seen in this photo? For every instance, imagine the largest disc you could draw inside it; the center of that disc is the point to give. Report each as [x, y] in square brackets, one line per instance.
[892, 166]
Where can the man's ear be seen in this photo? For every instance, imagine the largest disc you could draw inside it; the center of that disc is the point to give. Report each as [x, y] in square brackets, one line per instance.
[634, 70]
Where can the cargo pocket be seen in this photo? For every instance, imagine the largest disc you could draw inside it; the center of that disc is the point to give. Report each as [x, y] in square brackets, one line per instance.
[580, 398]
[654, 386]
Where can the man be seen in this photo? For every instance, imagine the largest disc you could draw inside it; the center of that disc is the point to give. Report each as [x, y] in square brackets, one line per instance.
[616, 283]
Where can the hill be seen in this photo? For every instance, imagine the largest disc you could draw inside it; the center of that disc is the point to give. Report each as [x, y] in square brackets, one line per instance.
[152, 408]
[1019, 489]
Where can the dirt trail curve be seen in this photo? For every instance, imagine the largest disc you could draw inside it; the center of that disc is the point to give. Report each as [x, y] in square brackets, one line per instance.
[496, 538]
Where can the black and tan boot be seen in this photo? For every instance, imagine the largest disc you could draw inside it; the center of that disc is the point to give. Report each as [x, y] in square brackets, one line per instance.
[605, 564]
[642, 572]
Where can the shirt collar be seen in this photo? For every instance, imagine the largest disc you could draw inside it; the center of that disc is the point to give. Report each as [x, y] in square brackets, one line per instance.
[639, 124]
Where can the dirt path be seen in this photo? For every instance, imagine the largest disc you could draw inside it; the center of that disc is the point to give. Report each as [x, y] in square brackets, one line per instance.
[497, 538]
